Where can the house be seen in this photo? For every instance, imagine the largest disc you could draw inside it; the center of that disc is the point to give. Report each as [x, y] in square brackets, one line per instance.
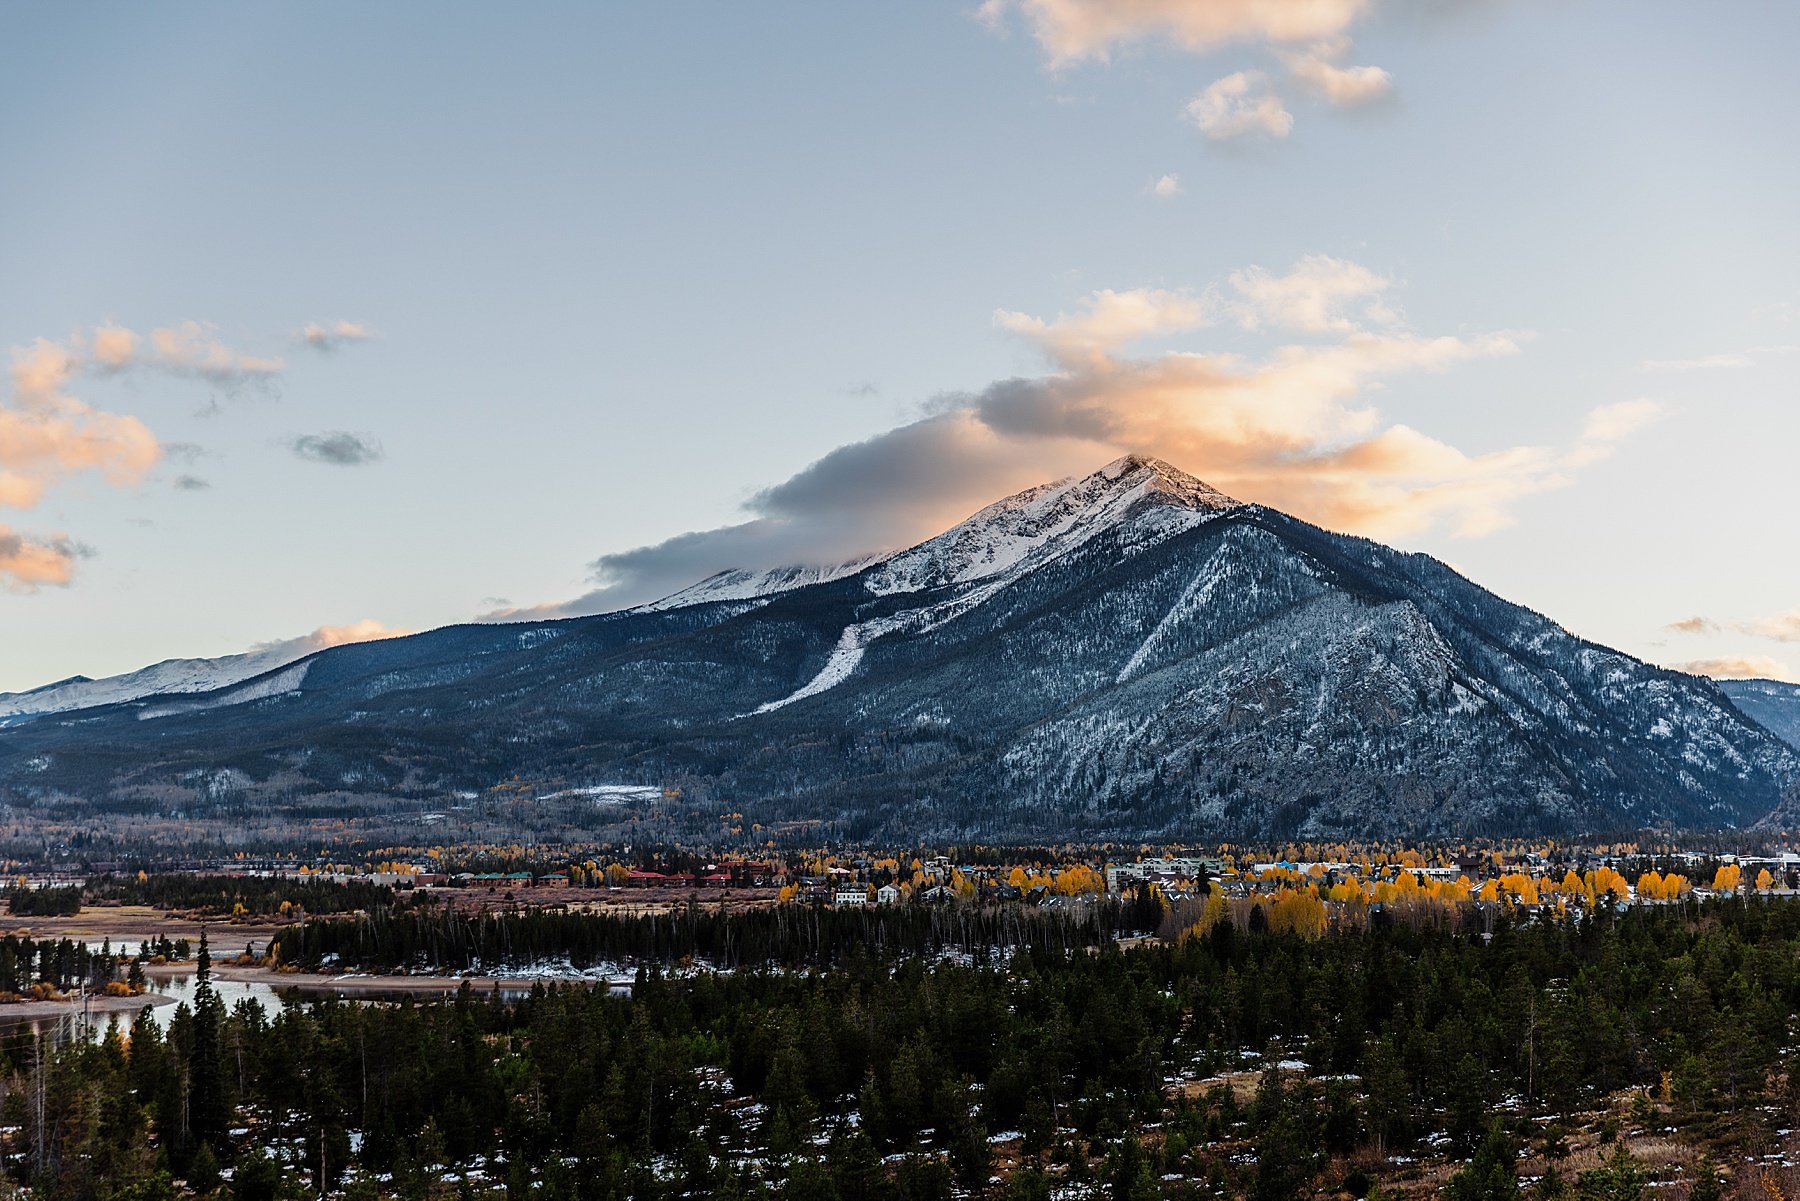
[850, 895]
[887, 894]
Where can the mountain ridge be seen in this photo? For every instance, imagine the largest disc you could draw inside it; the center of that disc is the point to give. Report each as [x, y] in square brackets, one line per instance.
[1122, 655]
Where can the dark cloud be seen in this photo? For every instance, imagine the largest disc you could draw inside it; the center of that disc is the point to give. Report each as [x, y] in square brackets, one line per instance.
[340, 448]
[190, 483]
[186, 452]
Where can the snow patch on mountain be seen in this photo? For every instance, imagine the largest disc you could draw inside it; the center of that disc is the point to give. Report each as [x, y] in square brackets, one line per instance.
[844, 657]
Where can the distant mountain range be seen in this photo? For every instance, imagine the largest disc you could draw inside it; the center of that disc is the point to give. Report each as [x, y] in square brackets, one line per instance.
[1131, 655]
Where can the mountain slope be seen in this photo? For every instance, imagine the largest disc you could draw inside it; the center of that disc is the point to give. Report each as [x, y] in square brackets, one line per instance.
[169, 676]
[1126, 655]
[1773, 703]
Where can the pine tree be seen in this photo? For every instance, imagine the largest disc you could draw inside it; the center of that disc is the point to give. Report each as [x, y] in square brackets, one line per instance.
[208, 1107]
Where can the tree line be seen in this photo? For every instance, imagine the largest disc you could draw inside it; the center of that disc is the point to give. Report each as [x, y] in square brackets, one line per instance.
[865, 1073]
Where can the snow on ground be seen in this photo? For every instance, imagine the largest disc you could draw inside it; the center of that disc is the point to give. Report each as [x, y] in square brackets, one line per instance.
[609, 794]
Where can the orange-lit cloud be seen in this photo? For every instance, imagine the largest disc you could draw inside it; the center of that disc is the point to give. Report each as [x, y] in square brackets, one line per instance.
[47, 434]
[1294, 428]
[366, 630]
[1310, 38]
[1782, 627]
[27, 563]
[1318, 69]
[1072, 30]
[1739, 667]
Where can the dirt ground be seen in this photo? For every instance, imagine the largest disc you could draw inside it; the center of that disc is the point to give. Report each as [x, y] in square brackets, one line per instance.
[128, 924]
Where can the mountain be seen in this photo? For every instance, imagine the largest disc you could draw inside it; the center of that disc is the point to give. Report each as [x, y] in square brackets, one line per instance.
[1129, 655]
[1775, 704]
[169, 676]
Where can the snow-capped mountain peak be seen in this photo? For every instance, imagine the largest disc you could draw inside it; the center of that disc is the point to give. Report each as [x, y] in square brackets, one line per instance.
[1032, 527]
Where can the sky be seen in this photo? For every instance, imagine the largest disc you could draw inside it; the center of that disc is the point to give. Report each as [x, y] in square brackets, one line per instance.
[328, 321]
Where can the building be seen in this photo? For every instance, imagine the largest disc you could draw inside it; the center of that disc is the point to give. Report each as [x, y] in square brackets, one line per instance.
[887, 894]
[849, 895]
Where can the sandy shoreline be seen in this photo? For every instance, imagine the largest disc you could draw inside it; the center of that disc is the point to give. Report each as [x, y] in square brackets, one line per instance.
[95, 1007]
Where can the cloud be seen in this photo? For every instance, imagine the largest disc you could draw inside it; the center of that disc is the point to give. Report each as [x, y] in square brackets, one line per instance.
[1111, 319]
[192, 349]
[327, 338]
[185, 452]
[1292, 428]
[47, 435]
[1070, 31]
[1313, 297]
[1240, 105]
[1782, 627]
[1610, 424]
[1317, 70]
[324, 637]
[340, 448]
[190, 483]
[1166, 188]
[1738, 667]
[1309, 37]
[28, 563]
[1711, 362]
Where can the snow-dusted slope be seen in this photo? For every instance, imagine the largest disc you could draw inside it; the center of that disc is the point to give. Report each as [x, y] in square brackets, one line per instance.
[1002, 542]
[172, 676]
[1138, 501]
[758, 585]
[1023, 532]
[1773, 703]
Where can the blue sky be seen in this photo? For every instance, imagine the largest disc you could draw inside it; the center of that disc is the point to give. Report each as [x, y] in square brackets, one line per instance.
[1522, 293]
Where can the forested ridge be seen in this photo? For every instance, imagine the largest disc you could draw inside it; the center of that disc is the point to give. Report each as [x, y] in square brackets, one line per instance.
[887, 1075]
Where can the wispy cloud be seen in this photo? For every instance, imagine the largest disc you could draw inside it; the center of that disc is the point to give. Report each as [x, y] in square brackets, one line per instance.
[329, 337]
[1782, 627]
[1319, 295]
[340, 448]
[1166, 188]
[1070, 31]
[190, 483]
[1711, 362]
[1738, 667]
[1293, 427]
